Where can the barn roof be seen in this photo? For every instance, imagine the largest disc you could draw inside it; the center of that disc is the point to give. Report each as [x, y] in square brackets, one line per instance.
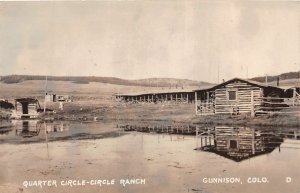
[154, 92]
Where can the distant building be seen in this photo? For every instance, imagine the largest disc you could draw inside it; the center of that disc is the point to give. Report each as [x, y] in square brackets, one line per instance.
[57, 98]
[63, 98]
[26, 108]
[50, 97]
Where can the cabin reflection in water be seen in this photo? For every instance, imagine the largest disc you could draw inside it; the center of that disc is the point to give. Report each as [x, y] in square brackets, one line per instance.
[4, 131]
[28, 128]
[56, 127]
[31, 128]
[239, 143]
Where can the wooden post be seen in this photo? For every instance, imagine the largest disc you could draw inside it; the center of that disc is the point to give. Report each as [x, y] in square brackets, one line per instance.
[201, 141]
[208, 101]
[187, 98]
[196, 102]
[252, 104]
[253, 142]
[294, 96]
[197, 136]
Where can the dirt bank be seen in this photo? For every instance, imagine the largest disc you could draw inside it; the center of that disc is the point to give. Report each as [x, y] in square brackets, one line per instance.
[183, 113]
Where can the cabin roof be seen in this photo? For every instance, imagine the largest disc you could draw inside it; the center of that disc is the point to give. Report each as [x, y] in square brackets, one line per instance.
[259, 84]
[238, 156]
[289, 87]
[26, 100]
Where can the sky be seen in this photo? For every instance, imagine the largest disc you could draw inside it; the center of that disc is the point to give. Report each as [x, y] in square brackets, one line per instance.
[198, 40]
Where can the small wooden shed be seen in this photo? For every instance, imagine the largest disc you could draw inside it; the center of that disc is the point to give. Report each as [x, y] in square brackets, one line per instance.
[50, 97]
[27, 107]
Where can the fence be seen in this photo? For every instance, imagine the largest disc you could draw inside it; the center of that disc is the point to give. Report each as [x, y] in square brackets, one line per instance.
[278, 105]
[205, 107]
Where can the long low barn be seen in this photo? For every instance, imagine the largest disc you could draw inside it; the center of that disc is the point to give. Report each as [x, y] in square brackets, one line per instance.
[176, 96]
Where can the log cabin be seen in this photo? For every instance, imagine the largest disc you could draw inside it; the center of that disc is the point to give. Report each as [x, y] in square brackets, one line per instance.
[235, 96]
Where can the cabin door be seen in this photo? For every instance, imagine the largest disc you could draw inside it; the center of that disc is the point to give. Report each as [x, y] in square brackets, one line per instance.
[25, 108]
[25, 126]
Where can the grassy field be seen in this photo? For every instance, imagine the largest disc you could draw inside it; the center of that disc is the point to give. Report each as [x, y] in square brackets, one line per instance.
[95, 100]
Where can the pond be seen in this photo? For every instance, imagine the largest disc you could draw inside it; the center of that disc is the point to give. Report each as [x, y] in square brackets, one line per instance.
[147, 157]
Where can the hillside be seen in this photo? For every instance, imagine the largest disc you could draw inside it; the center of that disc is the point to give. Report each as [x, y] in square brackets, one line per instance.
[289, 78]
[283, 76]
[150, 82]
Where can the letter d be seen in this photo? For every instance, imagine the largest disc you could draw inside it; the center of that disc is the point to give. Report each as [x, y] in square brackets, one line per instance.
[288, 179]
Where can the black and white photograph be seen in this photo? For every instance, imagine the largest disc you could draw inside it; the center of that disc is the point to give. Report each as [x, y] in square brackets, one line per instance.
[144, 96]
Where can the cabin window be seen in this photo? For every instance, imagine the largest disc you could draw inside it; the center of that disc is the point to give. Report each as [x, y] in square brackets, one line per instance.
[233, 144]
[232, 95]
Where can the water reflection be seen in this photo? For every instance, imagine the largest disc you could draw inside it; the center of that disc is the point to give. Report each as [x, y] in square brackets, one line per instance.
[5, 127]
[31, 128]
[235, 143]
[168, 161]
[27, 129]
[241, 143]
[5, 131]
[57, 127]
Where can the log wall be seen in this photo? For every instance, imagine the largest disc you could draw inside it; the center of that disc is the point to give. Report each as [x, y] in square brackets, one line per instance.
[242, 104]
